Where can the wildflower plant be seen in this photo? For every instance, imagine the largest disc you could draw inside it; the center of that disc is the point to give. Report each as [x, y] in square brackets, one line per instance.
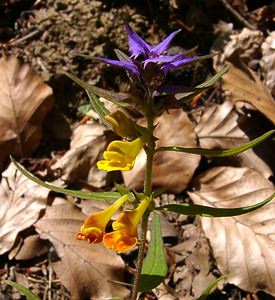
[147, 68]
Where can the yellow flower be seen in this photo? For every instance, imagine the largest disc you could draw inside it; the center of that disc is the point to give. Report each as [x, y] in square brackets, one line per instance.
[124, 236]
[93, 228]
[120, 123]
[120, 155]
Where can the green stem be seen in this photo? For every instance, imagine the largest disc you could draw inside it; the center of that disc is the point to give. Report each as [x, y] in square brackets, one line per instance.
[150, 150]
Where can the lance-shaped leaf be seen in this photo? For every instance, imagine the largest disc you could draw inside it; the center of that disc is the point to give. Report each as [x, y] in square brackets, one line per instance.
[208, 290]
[154, 266]
[183, 97]
[219, 152]
[207, 211]
[97, 196]
[97, 105]
[23, 290]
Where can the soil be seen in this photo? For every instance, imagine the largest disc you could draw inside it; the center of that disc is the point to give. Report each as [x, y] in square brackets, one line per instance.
[51, 35]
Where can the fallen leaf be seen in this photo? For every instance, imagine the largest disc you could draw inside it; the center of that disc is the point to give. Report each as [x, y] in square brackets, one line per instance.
[20, 206]
[30, 247]
[218, 128]
[86, 270]
[171, 171]
[246, 87]
[243, 246]
[25, 102]
[79, 163]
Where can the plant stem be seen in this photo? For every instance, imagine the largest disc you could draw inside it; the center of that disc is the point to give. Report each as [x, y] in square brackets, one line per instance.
[150, 150]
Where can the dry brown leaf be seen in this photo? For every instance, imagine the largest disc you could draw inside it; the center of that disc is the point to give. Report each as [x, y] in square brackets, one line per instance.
[25, 102]
[79, 163]
[20, 206]
[245, 86]
[86, 270]
[243, 246]
[29, 248]
[219, 128]
[171, 171]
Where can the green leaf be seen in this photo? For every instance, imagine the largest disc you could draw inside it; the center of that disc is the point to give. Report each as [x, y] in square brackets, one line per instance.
[207, 211]
[97, 105]
[23, 290]
[183, 97]
[117, 98]
[207, 291]
[154, 267]
[219, 152]
[97, 196]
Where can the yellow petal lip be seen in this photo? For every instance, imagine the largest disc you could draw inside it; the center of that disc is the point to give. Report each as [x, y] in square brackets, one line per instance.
[94, 226]
[120, 155]
[125, 234]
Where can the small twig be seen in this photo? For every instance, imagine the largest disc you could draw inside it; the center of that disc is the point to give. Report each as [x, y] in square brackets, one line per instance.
[22, 39]
[50, 283]
[238, 15]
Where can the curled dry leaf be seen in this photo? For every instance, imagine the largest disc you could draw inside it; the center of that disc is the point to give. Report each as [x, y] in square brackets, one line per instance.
[86, 270]
[25, 102]
[79, 163]
[243, 246]
[171, 171]
[246, 87]
[218, 128]
[20, 206]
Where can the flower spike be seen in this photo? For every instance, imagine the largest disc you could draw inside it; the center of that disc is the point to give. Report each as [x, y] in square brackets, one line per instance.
[124, 236]
[94, 226]
[120, 155]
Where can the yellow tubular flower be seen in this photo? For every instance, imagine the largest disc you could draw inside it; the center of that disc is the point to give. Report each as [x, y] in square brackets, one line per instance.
[120, 123]
[120, 155]
[93, 228]
[124, 237]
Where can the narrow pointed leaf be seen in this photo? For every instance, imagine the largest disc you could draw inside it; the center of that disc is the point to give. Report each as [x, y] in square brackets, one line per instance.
[183, 97]
[154, 266]
[97, 105]
[116, 98]
[23, 290]
[122, 56]
[97, 196]
[219, 152]
[208, 290]
[207, 211]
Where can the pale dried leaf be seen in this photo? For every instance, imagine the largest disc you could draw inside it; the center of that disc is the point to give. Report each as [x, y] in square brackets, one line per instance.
[218, 128]
[246, 43]
[243, 246]
[268, 61]
[85, 270]
[79, 163]
[20, 206]
[246, 87]
[171, 171]
[25, 101]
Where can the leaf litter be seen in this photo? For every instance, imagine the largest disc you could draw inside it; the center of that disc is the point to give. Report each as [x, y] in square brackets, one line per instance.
[192, 268]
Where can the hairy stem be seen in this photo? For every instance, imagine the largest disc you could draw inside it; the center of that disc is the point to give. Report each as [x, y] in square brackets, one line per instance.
[150, 150]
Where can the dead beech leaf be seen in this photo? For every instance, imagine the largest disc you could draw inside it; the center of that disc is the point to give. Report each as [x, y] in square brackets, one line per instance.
[171, 171]
[243, 246]
[219, 128]
[24, 103]
[85, 270]
[29, 248]
[20, 206]
[245, 86]
[79, 163]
